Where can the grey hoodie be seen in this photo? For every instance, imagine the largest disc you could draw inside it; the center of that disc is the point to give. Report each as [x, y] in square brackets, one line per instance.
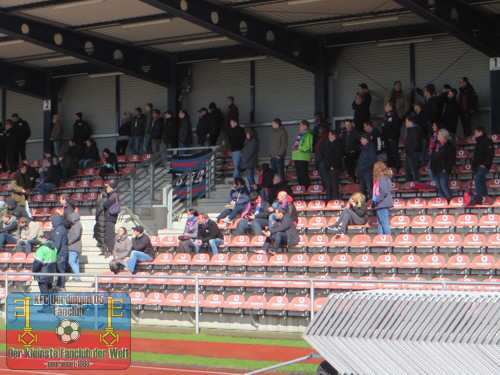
[75, 233]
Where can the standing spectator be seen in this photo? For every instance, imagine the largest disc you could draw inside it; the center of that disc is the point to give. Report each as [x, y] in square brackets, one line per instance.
[3, 150]
[432, 107]
[484, 152]
[75, 244]
[110, 218]
[67, 166]
[121, 250]
[205, 125]
[90, 154]
[250, 156]
[238, 200]
[352, 147]
[23, 131]
[236, 141]
[366, 161]
[100, 226]
[254, 217]
[190, 234]
[209, 234]
[68, 209]
[185, 129]
[354, 213]
[74, 153]
[318, 159]
[156, 131]
[51, 178]
[413, 149]
[20, 184]
[56, 134]
[11, 143]
[217, 122]
[301, 154]
[361, 109]
[60, 239]
[332, 155]
[146, 143]
[81, 132]
[282, 232]
[399, 99]
[365, 93]
[468, 102]
[124, 133]
[45, 262]
[9, 232]
[233, 114]
[277, 148]
[29, 235]
[433, 146]
[319, 122]
[110, 163]
[170, 130]
[451, 113]
[442, 163]
[382, 197]
[142, 249]
[375, 138]
[137, 132]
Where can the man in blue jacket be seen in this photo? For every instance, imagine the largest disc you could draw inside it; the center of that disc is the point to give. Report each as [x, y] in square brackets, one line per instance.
[60, 241]
[367, 158]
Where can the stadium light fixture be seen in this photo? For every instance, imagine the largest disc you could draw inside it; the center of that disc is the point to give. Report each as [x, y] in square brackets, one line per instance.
[145, 23]
[203, 41]
[77, 4]
[109, 74]
[369, 20]
[242, 59]
[60, 58]
[403, 42]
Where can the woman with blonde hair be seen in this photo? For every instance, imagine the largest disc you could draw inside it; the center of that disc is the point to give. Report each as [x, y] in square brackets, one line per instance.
[354, 213]
[382, 197]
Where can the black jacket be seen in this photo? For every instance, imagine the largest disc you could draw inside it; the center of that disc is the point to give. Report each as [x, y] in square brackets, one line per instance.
[209, 231]
[361, 211]
[185, 132]
[138, 126]
[451, 113]
[81, 131]
[91, 152]
[351, 141]
[108, 202]
[22, 129]
[332, 154]
[171, 132]
[413, 142]
[367, 158]
[205, 126]
[275, 189]
[111, 161]
[59, 236]
[263, 212]
[236, 138]
[157, 129]
[232, 114]
[287, 225]
[218, 118]
[124, 129]
[100, 227]
[143, 243]
[444, 159]
[53, 175]
[15, 210]
[391, 126]
[361, 113]
[67, 211]
[376, 139]
[484, 152]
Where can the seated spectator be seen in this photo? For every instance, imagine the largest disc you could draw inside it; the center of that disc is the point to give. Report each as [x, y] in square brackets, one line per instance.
[209, 234]
[238, 200]
[442, 162]
[282, 232]
[29, 235]
[110, 164]
[142, 249]
[190, 234]
[90, 154]
[265, 180]
[15, 210]
[8, 230]
[32, 174]
[278, 185]
[354, 213]
[286, 202]
[123, 246]
[74, 153]
[51, 178]
[75, 244]
[67, 166]
[255, 216]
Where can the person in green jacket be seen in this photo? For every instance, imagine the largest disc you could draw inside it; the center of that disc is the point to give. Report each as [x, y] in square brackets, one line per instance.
[45, 262]
[301, 154]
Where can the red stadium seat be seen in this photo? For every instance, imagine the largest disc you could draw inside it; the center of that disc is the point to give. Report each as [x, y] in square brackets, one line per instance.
[314, 175]
[390, 285]
[494, 240]
[277, 303]
[302, 284]
[421, 221]
[300, 303]
[444, 221]
[427, 240]
[240, 241]
[493, 184]
[344, 282]
[410, 261]
[367, 283]
[298, 260]
[190, 300]
[386, 261]
[84, 184]
[90, 197]
[278, 260]
[18, 258]
[319, 302]
[315, 189]
[465, 169]
[395, 186]
[326, 284]
[434, 261]
[350, 188]
[256, 302]
[5, 257]
[332, 221]
[437, 202]
[341, 260]
[300, 205]
[319, 260]
[234, 301]
[415, 286]
[317, 222]
[213, 301]
[182, 259]
[219, 259]
[316, 205]
[145, 157]
[77, 197]
[404, 240]
[483, 261]
[133, 158]
[35, 163]
[458, 261]
[360, 240]
[303, 241]
[416, 203]
[42, 211]
[335, 205]
[302, 223]
[144, 280]
[56, 211]
[200, 259]
[483, 288]
[339, 241]
[240, 259]
[474, 240]
[257, 241]
[363, 260]
[490, 220]
[277, 282]
[457, 202]
[318, 240]
[257, 260]
[400, 221]
[467, 220]
[97, 184]
[155, 240]
[90, 172]
[169, 241]
[450, 240]
[398, 203]
[463, 154]
[465, 287]
[163, 259]
[38, 198]
[173, 299]
[298, 190]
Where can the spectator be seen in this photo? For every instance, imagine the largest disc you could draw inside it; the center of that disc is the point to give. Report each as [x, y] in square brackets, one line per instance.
[301, 154]
[391, 128]
[110, 218]
[74, 153]
[285, 202]
[51, 179]
[375, 138]
[9, 233]
[209, 234]
[233, 114]
[367, 158]
[218, 121]
[121, 250]
[29, 235]
[484, 153]
[146, 142]
[278, 185]
[56, 134]
[185, 129]
[11, 144]
[332, 155]
[156, 132]
[255, 217]
[277, 148]
[236, 141]
[413, 148]
[205, 125]
[433, 145]
[352, 147]
[16, 210]
[190, 234]
[364, 93]
[67, 166]
[60, 239]
[401, 104]
[170, 130]
[110, 163]
[32, 175]
[361, 109]
[90, 154]
[124, 133]
[3, 148]
[265, 182]
[48, 157]
[318, 159]
[100, 226]
[442, 163]
[382, 198]
[75, 244]
[23, 132]
[142, 249]
[421, 118]
[282, 232]
[354, 213]
[238, 200]
[451, 113]
[45, 261]
[68, 209]
[319, 122]
[137, 131]
[468, 100]
[432, 108]
[20, 184]
[250, 156]
[81, 132]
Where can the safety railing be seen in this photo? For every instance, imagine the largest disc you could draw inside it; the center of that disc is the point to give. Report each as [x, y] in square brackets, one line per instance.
[196, 281]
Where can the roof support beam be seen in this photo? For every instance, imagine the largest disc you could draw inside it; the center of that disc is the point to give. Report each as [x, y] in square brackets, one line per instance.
[467, 23]
[143, 64]
[265, 37]
[24, 80]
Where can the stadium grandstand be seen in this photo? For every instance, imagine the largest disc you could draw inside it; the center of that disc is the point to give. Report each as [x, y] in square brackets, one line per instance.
[232, 165]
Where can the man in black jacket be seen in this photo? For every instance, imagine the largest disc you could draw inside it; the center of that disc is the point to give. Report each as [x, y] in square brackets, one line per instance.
[255, 216]
[352, 147]
[484, 152]
[391, 129]
[468, 103]
[283, 232]
[68, 209]
[233, 112]
[170, 130]
[451, 113]
[206, 124]
[137, 132]
[22, 128]
[81, 132]
[60, 240]
[156, 131]
[332, 154]
[236, 141]
[278, 185]
[142, 249]
[209, 234]
[52, 178]
[218, 122]
[110, 218]
[413, 148]
[376, 139]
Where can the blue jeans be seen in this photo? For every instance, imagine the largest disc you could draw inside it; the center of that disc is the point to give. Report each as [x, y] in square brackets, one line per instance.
[278, 166]
[146, 144]
[74, 263]
[366, 182]
[480, 182]
[214, 245]
[58, 144]
[383, 221]
[236, 156]
[250, 176]
[411, 167]
[87, 162]
[6, 238]
[238, 209]
[278, 238]
[137, 257]
[45, 187]
[256, 225]
[441, 180]
[27, 244]
[135, 145]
